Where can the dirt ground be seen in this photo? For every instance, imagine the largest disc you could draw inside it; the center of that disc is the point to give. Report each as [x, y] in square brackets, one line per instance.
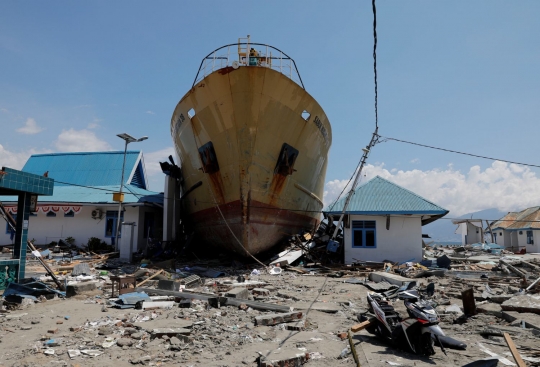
[228, 336]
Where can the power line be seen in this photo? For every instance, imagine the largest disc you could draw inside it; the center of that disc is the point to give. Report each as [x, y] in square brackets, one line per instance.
[375, 58]
[457, 152]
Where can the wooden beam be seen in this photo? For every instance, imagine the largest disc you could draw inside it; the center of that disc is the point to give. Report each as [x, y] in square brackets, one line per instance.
[361, 326]
[513, 350]
[151, 277]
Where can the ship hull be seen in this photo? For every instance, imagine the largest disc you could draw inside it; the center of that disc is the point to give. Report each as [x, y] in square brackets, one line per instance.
[253, 164]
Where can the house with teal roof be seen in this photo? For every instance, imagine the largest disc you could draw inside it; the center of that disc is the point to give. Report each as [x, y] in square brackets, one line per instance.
[384, 222]
[82, 204]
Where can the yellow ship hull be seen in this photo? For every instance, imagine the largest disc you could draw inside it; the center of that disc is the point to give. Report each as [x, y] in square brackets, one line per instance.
[253, 163]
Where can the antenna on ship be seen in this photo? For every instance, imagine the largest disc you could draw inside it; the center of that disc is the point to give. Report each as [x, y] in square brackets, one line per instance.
[374, 138]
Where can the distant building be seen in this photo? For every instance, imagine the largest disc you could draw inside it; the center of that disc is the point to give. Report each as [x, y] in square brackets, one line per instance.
[384, 222]
[518, 230]
[82, 205]
[471, 230]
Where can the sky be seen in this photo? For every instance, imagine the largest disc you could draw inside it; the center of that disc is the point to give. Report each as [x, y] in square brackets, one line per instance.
[459, 75]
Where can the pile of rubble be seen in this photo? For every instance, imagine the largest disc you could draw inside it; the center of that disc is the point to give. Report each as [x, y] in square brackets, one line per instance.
[294, 311]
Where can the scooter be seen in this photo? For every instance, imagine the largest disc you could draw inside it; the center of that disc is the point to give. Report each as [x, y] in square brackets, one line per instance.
[415, 332]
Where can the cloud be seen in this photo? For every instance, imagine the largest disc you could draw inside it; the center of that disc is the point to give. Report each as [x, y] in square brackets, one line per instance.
[507, 187]
[30, 127]
[16, 160]
[5, 110]
[153, 169]
[415, 160]
[80, 141]
[83, 106]
[150, 112]
[152, 159]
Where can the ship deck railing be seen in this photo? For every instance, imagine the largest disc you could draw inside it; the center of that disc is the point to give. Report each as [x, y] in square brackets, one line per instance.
[238, 55]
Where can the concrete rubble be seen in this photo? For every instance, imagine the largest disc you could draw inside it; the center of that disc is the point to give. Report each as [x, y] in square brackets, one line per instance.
[219, 312]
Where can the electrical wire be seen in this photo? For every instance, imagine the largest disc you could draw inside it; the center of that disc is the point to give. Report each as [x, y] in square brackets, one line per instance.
[457, 152]
[330, 207]
[375, 58]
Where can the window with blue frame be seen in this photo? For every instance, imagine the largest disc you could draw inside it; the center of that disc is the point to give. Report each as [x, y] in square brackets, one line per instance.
[110, 223]
[364, 234]
[530, 240]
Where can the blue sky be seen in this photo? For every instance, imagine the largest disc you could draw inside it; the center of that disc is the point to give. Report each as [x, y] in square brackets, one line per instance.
[456, 74]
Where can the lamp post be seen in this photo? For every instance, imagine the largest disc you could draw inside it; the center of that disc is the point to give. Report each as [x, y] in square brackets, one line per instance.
[128, 139]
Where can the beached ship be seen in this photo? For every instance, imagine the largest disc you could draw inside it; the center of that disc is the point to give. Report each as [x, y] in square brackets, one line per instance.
[253, 146]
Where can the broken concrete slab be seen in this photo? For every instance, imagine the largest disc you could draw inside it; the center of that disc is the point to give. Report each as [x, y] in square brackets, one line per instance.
[158, 333]
[168, 285]
[523, 303]
[80, 288]
[299, 325]
[491, 309]
[288, 295]
[500, 298]
[241, 293]
[379, 276]
[287, 258]
[530, 320]
[318, 306]
[277, 318]
[289, 358]
[164, 323]
[81, 269]
[261, 291]
[230, 301]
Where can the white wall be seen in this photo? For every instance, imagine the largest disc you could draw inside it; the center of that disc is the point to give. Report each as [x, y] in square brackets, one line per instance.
[81, 227]
[402, 242]
[474, 234]
[536, 247]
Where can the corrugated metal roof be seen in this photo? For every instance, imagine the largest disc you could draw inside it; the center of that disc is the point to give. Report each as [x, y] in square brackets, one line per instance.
[525, 219]
[505, 221]
[87, 168]
[95, 195]
[380, 196]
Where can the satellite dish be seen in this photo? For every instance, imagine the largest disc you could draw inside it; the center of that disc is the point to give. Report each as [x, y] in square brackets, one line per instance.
[235, 65]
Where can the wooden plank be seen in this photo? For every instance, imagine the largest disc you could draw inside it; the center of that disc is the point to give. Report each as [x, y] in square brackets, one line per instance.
[149, 278]
[353, 349]
[361, 326]
[469, 306]
[513, 350]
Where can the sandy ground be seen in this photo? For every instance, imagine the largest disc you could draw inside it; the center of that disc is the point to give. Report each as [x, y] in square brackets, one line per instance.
[227, 336]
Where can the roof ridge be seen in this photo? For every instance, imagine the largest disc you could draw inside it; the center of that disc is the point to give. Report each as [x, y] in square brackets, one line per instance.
[86, 153]
[409, 191]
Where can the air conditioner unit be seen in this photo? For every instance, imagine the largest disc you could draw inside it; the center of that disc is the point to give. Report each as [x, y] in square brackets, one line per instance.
[97, 213]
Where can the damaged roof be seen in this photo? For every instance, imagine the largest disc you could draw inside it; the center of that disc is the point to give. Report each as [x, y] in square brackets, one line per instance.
[379, 197]
[525, 219]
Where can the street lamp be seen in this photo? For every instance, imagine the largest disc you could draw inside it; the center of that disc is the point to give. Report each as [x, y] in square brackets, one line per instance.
[128, 139]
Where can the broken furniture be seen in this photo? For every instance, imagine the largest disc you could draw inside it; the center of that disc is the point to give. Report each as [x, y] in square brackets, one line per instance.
[123, 284]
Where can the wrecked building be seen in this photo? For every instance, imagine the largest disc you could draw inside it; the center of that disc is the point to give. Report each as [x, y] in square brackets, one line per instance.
[518, 231]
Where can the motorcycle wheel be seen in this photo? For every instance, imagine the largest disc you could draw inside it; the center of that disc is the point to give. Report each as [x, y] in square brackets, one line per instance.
[425, 345]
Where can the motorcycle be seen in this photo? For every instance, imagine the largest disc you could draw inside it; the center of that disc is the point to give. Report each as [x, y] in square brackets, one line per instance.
[417, 332]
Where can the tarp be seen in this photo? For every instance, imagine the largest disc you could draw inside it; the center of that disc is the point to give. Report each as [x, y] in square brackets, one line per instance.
[30, 290]
[130, 300]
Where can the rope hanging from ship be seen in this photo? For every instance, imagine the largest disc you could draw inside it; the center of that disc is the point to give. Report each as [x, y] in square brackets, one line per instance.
[221, 213]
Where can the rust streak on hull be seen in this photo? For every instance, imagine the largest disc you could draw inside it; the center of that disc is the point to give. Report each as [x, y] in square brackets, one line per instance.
[248, 114]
